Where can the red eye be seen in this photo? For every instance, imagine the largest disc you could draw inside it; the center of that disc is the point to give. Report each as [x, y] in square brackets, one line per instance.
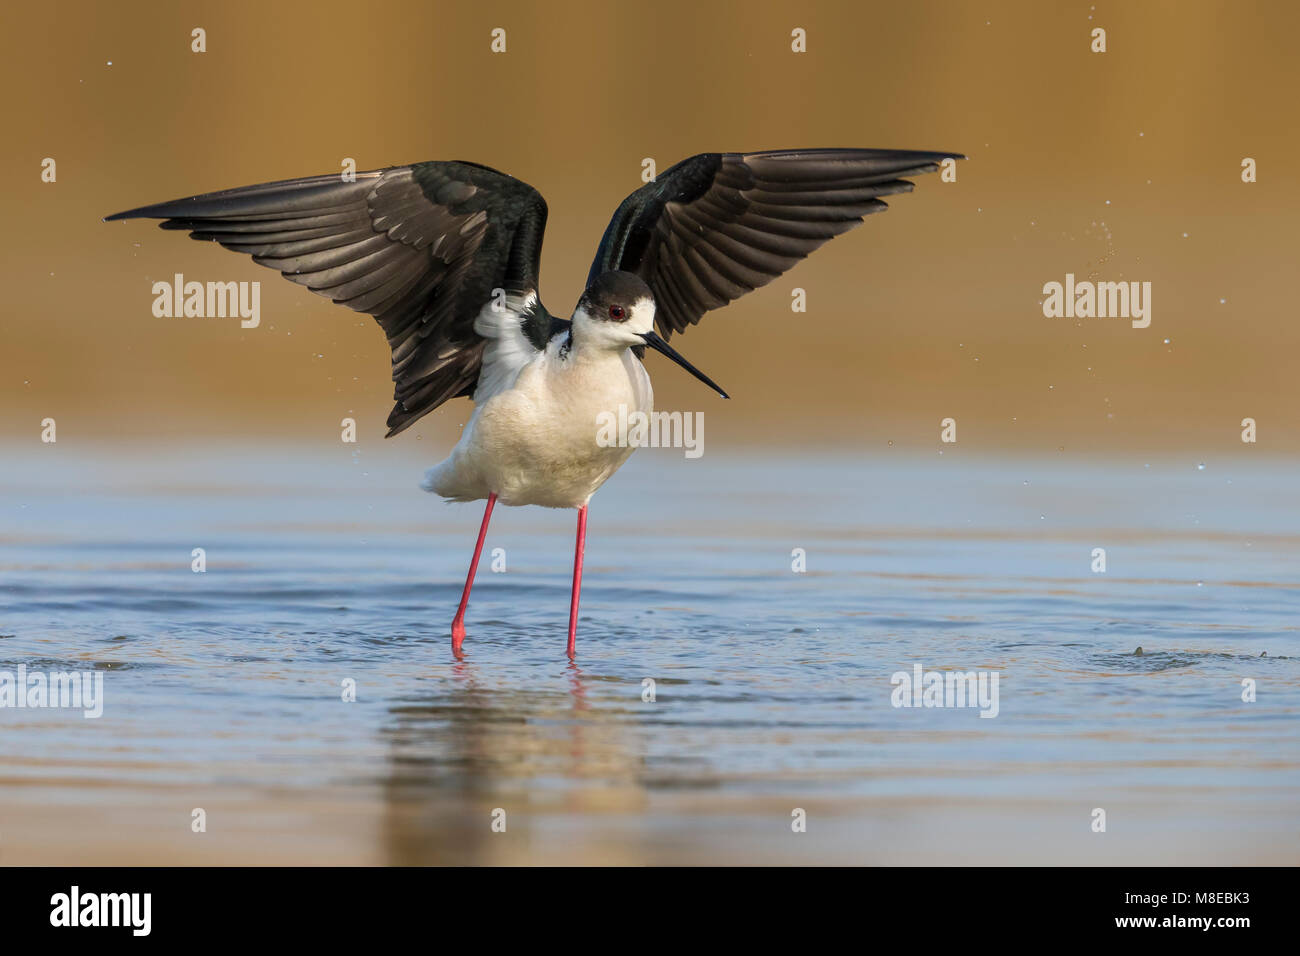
[616, 312]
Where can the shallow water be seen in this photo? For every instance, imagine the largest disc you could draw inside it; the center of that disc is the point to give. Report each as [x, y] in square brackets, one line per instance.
[223, 690]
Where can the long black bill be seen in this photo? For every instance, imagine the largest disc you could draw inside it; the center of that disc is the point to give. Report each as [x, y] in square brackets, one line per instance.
[653, 340]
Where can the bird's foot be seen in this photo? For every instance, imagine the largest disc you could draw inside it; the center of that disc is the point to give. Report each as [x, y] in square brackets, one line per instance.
[457, 635]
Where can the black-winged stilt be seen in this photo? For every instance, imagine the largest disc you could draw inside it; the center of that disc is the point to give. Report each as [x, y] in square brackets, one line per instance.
[445, 256]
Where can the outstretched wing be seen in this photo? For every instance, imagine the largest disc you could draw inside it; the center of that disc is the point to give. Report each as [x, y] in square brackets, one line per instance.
[718, 225]
[421, 248]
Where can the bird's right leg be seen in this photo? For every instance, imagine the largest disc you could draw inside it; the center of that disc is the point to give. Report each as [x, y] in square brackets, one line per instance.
[458, 625]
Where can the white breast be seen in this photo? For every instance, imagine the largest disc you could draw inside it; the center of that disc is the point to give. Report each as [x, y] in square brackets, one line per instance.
[536, 441]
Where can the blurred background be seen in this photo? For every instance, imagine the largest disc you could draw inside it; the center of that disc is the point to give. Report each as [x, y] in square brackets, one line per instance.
[1122, 165]
[325, 563]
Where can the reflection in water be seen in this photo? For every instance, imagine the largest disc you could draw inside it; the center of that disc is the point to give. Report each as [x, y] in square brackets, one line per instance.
[465, 751]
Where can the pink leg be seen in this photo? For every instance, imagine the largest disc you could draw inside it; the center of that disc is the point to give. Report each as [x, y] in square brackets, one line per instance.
[458, 625]
[577, 581]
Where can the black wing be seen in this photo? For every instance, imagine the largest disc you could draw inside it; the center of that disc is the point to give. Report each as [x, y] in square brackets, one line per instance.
[421, 248]
[718, 225]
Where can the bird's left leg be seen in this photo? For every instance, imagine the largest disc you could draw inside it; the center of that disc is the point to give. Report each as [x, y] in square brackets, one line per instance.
[458, 625]
[577, 581]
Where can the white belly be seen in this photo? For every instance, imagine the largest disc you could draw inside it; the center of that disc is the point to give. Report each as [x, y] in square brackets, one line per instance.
[537, 443]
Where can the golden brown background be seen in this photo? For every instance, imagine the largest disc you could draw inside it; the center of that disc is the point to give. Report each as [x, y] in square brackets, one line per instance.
[1123, 165]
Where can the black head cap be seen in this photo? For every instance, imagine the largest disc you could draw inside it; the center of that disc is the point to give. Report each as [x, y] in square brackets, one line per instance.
[611, 296]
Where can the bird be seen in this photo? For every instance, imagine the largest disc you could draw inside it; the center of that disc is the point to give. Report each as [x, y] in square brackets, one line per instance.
[445, 255]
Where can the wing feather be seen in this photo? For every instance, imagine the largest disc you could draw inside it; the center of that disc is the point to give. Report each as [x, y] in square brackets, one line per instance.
[719, 225]
[421, 248]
